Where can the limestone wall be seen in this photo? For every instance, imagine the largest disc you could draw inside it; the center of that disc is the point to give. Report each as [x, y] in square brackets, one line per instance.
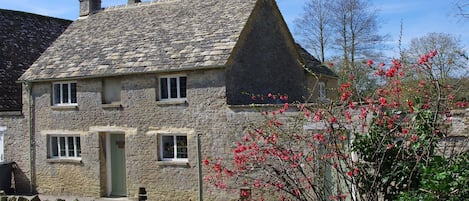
[16, 148]
[141, 117]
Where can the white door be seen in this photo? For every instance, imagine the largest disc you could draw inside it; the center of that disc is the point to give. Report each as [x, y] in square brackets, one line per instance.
[2, 131]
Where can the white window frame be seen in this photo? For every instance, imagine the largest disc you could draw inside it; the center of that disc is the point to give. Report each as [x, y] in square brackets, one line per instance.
[175, 147]
[69, 91]
[2, 140]
[168, 87]
[76, 149]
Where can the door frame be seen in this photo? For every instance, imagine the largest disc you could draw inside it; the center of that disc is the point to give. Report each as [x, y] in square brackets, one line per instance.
[108, 162]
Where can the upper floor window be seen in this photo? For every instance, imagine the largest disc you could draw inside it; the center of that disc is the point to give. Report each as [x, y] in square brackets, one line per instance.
[63, 146]
[64, 93]
[172, 87]
[111, 91]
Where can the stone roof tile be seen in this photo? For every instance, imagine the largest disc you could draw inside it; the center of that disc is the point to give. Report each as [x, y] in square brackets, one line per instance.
[146, 37]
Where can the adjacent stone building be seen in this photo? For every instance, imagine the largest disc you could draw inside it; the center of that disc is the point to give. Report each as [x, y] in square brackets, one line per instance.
[23, 37]
[120, 99]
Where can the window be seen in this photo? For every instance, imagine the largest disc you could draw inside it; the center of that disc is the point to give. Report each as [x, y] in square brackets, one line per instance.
[64, 147]
[111, 91]
[321, 90]
[173, 147]
[172, 87]
[64, 93]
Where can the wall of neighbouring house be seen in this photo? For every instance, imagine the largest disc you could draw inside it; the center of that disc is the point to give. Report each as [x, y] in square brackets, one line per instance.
[331, 87]
[17, 149]
[264, 60]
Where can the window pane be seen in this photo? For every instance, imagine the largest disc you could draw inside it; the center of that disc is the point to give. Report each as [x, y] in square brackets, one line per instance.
[71, 147]
[174, 89]
[73, 91]
[56, 94]
[182, 86]
[64, 94]
[62, 151]
[181, 142]
[164, 88]
[168, 146]
[54, 149]
[78, 146]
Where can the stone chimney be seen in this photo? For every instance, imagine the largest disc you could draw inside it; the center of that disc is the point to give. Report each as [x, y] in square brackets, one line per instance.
[133, 2]
[88, 7]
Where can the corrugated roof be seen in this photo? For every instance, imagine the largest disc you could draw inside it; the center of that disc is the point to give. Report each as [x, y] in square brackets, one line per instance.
[147, 37]
[23, 37]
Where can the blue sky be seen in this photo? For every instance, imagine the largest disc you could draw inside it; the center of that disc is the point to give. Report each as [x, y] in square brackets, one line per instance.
[419, 16]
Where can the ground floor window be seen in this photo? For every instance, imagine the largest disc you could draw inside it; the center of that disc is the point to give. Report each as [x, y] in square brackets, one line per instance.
[64, 146]
[173, 147]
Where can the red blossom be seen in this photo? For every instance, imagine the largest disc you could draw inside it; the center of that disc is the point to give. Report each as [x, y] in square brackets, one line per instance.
[405, 131]
[390, 146]
[414, 138]
[382, 101]
[370, 62]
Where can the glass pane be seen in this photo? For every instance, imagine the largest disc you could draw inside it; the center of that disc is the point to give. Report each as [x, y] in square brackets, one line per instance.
[64, 93]
[62, 147]
[181, 142]
[182, 86]
[164, 88]
[56, 93]
[71, 147]
[73, 92]
[78, 146]
[167, 143]
[174, 89]
[54, 149]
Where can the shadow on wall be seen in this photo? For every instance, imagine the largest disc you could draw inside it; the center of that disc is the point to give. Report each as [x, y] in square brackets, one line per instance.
[22, 182]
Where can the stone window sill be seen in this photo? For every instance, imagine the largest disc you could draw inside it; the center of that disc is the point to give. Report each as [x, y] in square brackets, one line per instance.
[65, 107]
[65, 160]
[184, 164]
[172, 102]
[11, 113]
[111, 106]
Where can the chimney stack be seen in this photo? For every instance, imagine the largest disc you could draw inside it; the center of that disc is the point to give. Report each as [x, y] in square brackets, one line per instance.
[88, 7]
[133, 2]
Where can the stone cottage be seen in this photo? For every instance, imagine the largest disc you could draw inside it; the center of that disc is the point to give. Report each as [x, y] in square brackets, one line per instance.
[120, 99]
[23, 37]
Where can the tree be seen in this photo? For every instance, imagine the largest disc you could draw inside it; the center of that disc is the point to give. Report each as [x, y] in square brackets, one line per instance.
[384, 148]
[461, 8]
[450, 60]
[315, 27]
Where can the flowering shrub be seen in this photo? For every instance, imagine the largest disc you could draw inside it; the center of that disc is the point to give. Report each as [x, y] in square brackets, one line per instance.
[384, 147]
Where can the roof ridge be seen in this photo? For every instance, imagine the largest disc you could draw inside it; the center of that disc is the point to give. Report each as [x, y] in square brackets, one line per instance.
[146, 3]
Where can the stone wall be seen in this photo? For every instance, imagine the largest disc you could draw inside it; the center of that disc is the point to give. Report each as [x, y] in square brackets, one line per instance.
[457, 139]
[17, 149]
[265, 60]
[141, 117]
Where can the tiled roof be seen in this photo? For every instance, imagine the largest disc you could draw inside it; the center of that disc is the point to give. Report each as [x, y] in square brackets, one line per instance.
[147, 37]
[23, 37]
[313, 64]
